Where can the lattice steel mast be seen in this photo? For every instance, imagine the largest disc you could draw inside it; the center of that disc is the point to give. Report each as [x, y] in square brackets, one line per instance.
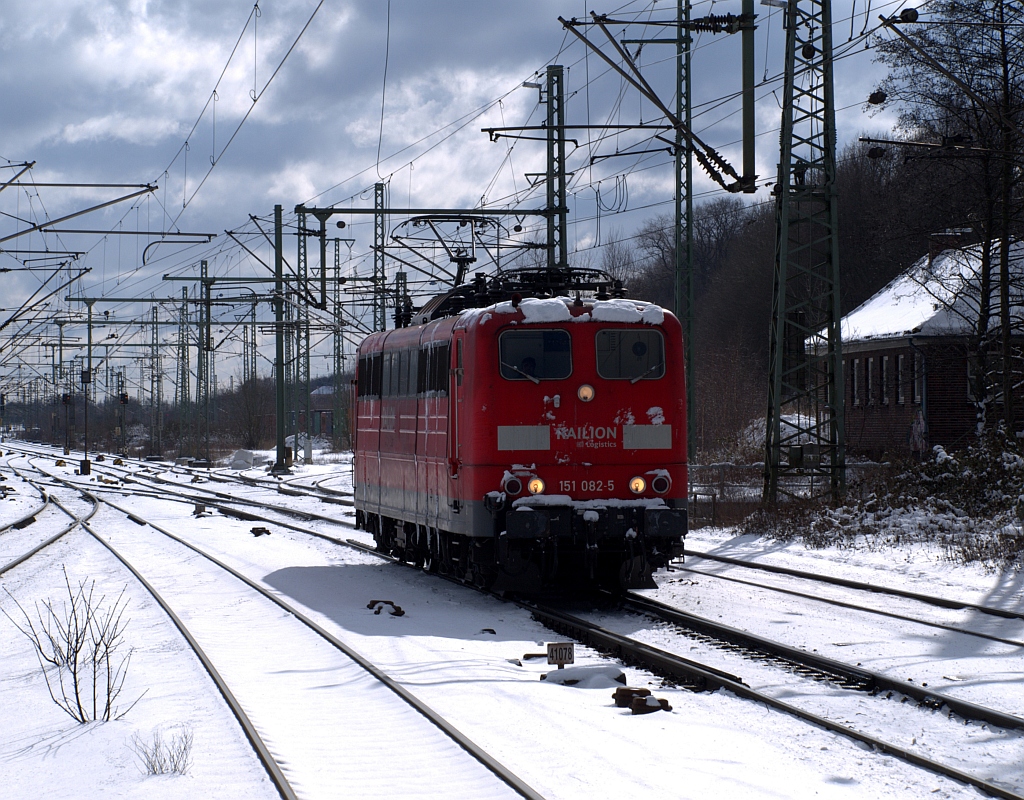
[805, 432]
[301, 386]
[182, 399]
[558, 253]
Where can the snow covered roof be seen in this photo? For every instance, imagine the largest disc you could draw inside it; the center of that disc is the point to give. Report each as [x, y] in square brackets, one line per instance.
[556, 309]
[936, 299]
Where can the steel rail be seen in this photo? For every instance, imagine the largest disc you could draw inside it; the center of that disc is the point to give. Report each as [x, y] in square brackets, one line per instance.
[262, 751]
[941, 602]
[850, 676]
[692, 674]
[293, 488]
[133, 478]
[76, 521]
[222, 496]
[854, 607]
[488, 761]
[29, 518]
[643, 653]
[826, 667]
[224, 505]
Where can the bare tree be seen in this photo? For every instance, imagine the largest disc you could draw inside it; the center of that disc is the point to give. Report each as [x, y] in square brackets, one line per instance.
[250, 411]
[959, 82]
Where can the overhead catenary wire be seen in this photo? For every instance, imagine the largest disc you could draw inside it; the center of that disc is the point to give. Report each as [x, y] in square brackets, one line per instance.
[384, 84]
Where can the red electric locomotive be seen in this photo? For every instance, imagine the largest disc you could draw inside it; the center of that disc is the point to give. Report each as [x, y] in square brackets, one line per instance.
[524, 432]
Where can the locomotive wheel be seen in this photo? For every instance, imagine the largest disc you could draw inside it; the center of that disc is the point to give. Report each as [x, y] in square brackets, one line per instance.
[484, 566]
[431, 560]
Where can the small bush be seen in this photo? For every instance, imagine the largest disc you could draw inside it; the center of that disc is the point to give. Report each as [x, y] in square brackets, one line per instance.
[81, 650]
[162, 758]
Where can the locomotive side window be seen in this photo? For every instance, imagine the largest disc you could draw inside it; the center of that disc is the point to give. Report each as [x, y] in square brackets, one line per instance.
[630, 354]
[369, 375]
[535, 355]
[385, 388]
[403, 373]
[376, 378]
[363, 376]
[414, 372]
[433, 369]
[422, 370]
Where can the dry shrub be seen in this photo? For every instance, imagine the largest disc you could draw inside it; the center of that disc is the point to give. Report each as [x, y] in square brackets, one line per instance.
[970, 503]
[163, 758]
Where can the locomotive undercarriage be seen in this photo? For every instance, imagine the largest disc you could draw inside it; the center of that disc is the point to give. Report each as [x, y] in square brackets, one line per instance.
[536, 550]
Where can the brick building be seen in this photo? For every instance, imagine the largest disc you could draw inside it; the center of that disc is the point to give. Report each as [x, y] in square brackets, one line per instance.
[908, 355]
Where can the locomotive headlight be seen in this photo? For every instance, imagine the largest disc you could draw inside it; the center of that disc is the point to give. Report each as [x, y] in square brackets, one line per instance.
[661, 484]
[637, 485]
[585, 393]
[513, 485]
[536, 486]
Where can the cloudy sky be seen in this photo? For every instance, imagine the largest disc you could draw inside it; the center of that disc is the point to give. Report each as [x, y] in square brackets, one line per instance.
[136, 92]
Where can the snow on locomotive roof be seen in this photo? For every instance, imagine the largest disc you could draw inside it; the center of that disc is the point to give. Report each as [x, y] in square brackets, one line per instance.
[556, 309]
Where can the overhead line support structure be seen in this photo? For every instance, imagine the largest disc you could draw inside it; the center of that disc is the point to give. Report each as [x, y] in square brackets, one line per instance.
[558, 253]
[203, 351]
[280, 464]
[88, 381]
[380, 232]
[301, 386]
[686, 145]
[156, 389]
[147, 189]
[182, 387]
[806, 367]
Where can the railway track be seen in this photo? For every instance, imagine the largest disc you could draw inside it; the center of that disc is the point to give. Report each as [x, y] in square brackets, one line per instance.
[42, 540]
[697, 676]
[655, 659]
[368, 734]
[939, 602]
[685, 672]
[811, 664]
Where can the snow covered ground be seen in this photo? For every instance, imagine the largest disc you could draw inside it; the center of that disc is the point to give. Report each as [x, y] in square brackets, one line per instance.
[457, 651]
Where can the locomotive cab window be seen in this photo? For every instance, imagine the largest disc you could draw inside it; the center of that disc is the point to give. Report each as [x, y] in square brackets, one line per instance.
[535, 355]
[630, 354]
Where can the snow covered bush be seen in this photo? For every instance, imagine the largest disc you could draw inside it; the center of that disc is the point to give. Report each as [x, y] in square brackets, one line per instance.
[970, 503]
[162, 758]
[81, 650]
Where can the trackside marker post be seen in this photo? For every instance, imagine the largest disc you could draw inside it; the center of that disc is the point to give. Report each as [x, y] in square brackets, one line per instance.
[561, 653]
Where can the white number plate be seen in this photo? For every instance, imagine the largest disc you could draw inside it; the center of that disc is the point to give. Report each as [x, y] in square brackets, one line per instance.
[561, 653]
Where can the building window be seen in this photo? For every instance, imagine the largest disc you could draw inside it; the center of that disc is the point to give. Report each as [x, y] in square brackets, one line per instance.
[918, 379]
[855, 382]
[883, 376]
[869, 380]
[900, 375]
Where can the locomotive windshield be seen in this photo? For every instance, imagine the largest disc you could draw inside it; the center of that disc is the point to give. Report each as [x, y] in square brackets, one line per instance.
[535, 355]
[630, 354]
